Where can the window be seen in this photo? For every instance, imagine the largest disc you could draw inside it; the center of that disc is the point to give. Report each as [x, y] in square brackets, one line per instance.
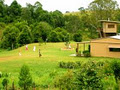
[114, 49]
[111, 26]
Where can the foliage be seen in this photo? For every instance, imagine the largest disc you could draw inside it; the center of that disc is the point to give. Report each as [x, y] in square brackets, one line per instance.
[0, 74]
[65, 82]
[77, 37]
[40, 40]
[88, 78]
[15, 10]
[25, 36]
[5, 82]
[43, 30]
[58, 35]
[86, 53]
[2, 25]
[54, 26]
[102, 10]
[73, 23]
[69, 65]
[25, 79]
[115, 66]
[9, 37]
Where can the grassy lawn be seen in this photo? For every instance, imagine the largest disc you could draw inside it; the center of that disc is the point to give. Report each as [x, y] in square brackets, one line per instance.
[41, 67]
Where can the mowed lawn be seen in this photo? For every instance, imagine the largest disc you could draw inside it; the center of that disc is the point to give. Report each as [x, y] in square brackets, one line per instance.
[40, 67]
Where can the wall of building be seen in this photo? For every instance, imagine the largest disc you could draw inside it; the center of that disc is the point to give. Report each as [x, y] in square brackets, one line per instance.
[100, 47]
[109, 30]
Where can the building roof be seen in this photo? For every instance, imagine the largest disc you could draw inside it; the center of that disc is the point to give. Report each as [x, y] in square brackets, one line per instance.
[112, 37]
[115, 37]
[109, 21]
[83, 42]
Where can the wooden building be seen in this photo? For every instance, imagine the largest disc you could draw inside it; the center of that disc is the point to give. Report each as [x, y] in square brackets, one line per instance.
[106, 47]
[108, 28]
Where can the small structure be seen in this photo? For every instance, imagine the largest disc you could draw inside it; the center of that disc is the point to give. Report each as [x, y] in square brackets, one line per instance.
[108, 28]
[83, 44]
[106, 47]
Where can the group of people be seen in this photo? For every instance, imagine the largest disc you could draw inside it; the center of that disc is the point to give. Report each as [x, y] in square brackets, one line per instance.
[26, 48]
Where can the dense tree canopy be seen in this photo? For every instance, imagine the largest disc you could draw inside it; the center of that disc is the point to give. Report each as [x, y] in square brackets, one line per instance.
[23, 25]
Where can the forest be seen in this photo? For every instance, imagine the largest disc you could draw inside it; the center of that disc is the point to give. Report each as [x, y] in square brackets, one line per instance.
[23, 25]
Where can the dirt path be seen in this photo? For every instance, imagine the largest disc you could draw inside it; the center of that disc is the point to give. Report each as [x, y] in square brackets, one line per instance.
[9, 58]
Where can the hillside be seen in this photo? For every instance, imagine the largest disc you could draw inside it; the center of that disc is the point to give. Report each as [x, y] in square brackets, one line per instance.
[41, 67]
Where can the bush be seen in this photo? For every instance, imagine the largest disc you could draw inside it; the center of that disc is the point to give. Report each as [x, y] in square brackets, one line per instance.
[65, 82]
[77, 37]
[0, 74]
[53, 73]
[69, 65]
[86, 53]
[87, 77]
[115, 66]
[5, 83]
[2, 25]
[107, 69]
[25, 79]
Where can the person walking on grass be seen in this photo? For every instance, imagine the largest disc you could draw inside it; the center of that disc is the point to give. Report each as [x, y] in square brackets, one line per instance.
[39, 53]
[26, 47]
[34, 48]
[20, 52]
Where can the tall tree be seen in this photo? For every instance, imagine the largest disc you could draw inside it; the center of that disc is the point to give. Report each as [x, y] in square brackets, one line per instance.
[14, 10]
[10, 37]
[25, 36]
[58, 19]
[42, 30]
[25, 78]
[103, 9]
[37, 10]
[72, 23]
[26, 15]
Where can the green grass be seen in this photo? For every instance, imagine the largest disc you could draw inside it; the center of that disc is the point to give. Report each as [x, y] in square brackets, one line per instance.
[40, 67]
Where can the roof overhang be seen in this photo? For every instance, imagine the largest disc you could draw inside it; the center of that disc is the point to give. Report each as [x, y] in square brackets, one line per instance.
[84, 42]
[117, 22]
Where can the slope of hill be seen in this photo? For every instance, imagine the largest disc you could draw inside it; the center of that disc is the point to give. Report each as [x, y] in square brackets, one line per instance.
[42, 67]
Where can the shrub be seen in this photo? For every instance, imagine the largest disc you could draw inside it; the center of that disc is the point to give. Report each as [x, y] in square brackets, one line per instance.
[69, 65]
[25, 79]
[115, 66]
[87, 77]
[65, 82]
[107, 69]
[86, 53]
[77, 37]
[53, 73]
[0, 74]
[2, 25]
[5, 83]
